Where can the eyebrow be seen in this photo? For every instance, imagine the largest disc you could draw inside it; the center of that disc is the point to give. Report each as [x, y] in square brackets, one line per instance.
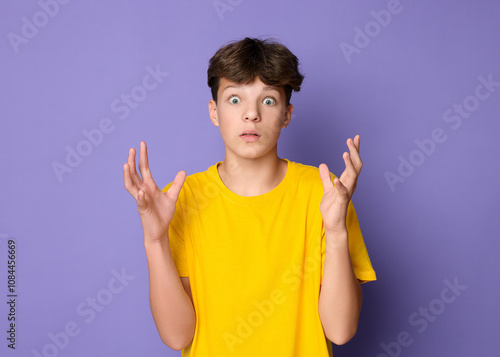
[266, 88]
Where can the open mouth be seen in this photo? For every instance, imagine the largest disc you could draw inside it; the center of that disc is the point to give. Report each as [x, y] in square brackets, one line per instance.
[250, 137]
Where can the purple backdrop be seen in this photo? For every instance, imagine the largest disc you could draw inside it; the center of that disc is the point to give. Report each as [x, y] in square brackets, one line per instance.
[81, 83]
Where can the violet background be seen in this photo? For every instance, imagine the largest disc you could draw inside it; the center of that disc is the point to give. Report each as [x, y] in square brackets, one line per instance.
[441, 223]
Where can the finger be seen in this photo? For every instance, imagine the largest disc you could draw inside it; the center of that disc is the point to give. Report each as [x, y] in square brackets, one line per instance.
[349, 165]
[342, 190]
[357, 141]
[141, 201]
[144, 162]
[324, 174]
[177, 184]
[354, 153]
[131, 160]
[127, 178]
[131, 163]
[350, 174]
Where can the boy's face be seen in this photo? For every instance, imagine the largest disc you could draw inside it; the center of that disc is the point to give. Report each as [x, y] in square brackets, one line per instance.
[254, 106]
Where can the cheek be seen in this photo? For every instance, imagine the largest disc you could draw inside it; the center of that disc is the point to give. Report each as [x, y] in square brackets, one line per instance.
[226, 127]
[276, 128]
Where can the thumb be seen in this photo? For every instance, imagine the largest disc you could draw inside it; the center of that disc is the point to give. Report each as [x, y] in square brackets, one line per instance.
[176, 187]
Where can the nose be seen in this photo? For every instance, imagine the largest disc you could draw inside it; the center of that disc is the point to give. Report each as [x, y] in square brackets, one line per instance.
[251, 113]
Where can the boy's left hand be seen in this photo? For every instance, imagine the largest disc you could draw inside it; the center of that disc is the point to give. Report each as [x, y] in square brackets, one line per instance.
[336, 198]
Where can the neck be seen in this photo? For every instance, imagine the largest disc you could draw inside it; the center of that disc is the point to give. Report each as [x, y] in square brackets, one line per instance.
[252, 177]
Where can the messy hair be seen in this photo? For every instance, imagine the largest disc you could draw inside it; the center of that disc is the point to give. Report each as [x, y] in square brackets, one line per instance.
[242, 61]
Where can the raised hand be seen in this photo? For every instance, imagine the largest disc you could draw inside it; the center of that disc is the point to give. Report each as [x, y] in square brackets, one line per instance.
[336, 198]
[156, 208]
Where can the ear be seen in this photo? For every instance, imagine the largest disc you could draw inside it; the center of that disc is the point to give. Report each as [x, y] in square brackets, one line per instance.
[287, 117]
[212, 111]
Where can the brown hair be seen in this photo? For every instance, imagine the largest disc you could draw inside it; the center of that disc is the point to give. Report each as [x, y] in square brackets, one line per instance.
[242, 61]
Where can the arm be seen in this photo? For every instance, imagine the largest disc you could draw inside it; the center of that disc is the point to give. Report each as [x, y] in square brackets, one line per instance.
[172, 308]
[340, 296]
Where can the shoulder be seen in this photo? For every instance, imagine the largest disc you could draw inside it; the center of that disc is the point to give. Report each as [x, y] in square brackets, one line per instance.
[307, 180]
[304, 170]
[196, 179]
[307, 174]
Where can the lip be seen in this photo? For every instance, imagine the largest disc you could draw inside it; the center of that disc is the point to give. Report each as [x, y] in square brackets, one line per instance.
[250, 138]
[251, 131]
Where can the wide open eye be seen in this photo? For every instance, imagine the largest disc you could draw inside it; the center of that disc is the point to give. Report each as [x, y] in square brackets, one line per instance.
[234, 99]
[269, 101]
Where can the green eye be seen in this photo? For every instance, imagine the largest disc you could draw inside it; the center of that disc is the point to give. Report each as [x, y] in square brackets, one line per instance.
[269, 101]
[234, 99]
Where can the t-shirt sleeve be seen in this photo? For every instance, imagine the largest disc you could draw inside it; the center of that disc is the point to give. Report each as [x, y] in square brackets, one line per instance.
[177, 233]
[360, 260]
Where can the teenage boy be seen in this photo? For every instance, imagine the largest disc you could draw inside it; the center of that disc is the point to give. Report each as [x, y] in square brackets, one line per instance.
[257, 255]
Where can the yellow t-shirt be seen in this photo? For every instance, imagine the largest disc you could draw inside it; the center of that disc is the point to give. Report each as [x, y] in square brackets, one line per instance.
[255, 264]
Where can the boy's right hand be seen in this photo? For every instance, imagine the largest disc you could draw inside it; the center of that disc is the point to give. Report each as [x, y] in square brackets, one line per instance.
[156, 208]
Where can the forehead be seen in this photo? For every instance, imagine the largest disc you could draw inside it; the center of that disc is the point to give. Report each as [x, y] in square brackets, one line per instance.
[256, 84]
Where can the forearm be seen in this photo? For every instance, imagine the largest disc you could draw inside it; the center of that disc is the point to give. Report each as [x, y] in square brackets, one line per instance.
[172, 309]
[340, 295]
